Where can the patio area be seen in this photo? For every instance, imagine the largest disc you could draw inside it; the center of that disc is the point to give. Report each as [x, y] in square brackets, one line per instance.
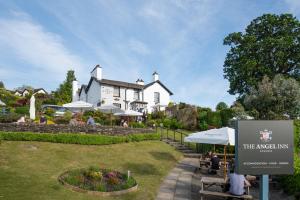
[184, 183]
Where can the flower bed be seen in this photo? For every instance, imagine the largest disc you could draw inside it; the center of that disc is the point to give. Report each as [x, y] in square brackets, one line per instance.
[96, 181]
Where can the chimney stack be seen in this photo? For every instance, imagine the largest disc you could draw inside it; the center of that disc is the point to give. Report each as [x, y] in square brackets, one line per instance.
[140, 82]
[155, 76]
[97, 72]
[75, 86]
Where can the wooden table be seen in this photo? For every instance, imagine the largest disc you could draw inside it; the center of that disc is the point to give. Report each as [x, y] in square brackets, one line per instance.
[214, 181]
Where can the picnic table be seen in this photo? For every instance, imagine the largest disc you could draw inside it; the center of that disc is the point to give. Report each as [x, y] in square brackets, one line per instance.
[210, 181]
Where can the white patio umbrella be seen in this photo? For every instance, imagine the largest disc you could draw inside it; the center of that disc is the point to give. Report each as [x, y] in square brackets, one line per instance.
[129, 113]
[32, 108]
[111, 109]
[78, 106]
[2, 103]
[224, 136]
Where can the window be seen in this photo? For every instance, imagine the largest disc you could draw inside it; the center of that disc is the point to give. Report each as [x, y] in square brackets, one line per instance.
[116, 91]
[117, 105]
[156, 97]
[136, 95]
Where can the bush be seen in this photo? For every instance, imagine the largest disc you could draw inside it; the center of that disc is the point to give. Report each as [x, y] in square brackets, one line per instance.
[9, 118]
[49, 111]
[137, 125]
[84, 139]
[291, 183]
[24, 110]
[297, 135]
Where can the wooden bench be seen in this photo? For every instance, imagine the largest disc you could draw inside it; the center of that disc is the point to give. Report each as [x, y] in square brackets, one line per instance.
[222, 194]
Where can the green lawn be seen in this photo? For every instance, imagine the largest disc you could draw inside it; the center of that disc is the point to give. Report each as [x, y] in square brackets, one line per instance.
[29, 170]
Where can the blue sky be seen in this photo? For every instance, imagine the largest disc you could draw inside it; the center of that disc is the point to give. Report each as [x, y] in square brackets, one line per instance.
[180, 39]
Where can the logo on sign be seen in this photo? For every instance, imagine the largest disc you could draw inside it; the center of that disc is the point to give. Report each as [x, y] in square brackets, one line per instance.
[265, 135]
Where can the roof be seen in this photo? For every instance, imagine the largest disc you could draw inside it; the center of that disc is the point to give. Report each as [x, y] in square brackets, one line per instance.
[114, 83]
[83, 87]
[159, 82]
[154, 73]
[125, 84]
[141, 102]
[96, 67]
[38, 89]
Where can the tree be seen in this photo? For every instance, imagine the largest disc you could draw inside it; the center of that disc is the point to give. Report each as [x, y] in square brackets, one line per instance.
[275, 99]
[269, 46]
[2, 84]
[64, 92]
[221, 106]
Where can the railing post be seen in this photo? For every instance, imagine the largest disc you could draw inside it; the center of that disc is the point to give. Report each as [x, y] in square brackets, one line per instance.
[174, 135]
[167, 133]
[181, 138]
[161, 133]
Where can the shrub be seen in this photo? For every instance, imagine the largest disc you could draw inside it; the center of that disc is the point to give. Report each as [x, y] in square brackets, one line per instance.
[9, 118]
[84, 139]
[150, 123]
[22, 110]
[291, 183]
[137, 125]
[61, 120]
[49, 112]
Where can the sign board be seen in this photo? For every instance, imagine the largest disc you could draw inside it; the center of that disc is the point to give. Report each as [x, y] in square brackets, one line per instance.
[265, 147]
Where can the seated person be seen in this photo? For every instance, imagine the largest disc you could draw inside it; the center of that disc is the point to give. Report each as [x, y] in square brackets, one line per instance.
[125, 125]
[215, 164]
[91, 121]
[237, 182]
[21, 120]
[43, 120]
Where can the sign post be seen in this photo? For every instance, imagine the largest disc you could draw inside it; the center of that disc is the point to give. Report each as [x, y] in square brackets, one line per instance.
[264, 148]
[264, 187]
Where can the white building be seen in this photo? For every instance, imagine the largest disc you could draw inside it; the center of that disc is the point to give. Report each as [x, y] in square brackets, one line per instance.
[136, 96]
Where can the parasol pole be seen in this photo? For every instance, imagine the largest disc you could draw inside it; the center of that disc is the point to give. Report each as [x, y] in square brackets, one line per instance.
[225, 166]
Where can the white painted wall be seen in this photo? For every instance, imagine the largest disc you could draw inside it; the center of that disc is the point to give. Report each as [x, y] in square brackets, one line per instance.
[149, 96]
[109, 99]
[94, 93]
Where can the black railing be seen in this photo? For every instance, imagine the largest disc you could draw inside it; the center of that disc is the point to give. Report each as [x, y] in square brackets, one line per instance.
[174, 135]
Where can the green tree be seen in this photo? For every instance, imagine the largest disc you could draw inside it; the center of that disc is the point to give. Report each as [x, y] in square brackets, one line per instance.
[64, 92]
[2, 84]
[221, 106]
[275, 99]
[269, 46]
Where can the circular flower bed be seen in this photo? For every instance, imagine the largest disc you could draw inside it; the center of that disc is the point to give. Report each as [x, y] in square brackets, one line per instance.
[99, 181]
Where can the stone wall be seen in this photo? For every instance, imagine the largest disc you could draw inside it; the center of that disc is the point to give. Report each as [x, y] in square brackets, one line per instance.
[61, 128]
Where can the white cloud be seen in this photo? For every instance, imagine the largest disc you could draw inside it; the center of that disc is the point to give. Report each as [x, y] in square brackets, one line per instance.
[294, 6]
[33, 45]
[138, 47]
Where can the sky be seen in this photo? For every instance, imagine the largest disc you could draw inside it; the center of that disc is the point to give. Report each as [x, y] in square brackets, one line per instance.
[180, 39]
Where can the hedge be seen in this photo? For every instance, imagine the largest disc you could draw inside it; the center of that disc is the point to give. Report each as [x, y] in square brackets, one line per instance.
[70, 138]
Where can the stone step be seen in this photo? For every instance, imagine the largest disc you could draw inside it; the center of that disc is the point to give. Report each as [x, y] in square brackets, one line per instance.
[192, 155]
[187, 151]
[182, 148]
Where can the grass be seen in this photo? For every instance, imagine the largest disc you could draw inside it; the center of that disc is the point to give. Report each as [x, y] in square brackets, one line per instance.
[29, 169]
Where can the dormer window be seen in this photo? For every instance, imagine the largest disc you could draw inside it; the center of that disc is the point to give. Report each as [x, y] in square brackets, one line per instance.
[116, 91]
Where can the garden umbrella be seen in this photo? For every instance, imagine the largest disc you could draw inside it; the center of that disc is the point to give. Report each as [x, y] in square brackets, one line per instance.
[78, 105]
[32, 108]
[2, 103]
[129, 113]
[224, 136]
[111, 109]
